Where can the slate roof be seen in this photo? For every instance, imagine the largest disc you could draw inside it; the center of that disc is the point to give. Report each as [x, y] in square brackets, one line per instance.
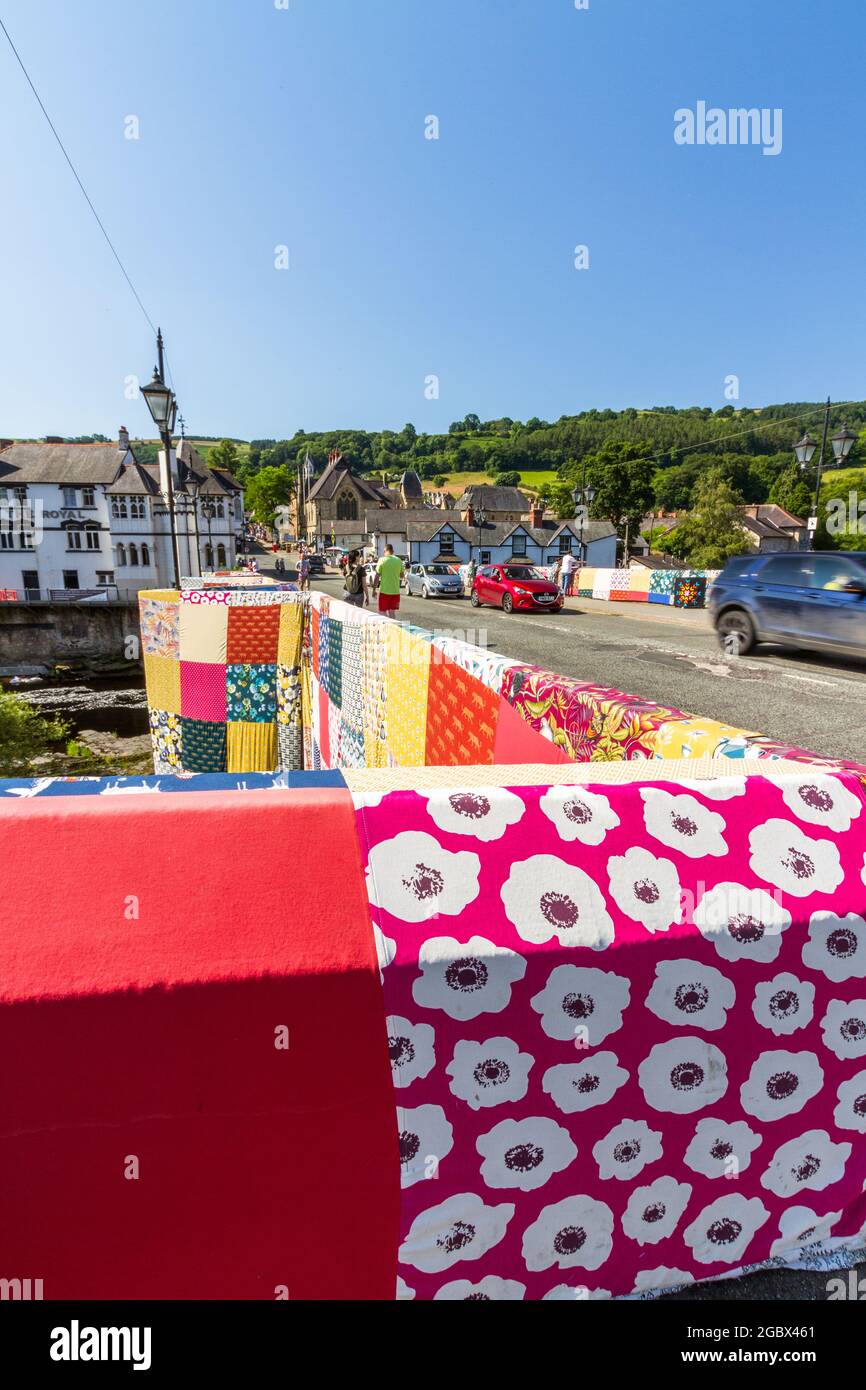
[69, 465]
[326, 487]
[496, 533]
[410, 484]
[495, 499]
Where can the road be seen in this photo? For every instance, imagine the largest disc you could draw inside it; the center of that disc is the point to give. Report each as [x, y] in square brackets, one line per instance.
[674, 659]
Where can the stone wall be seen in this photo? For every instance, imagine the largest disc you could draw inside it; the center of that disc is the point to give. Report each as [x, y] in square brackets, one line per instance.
[37, 634]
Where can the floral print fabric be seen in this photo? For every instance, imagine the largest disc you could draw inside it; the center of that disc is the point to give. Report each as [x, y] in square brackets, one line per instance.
[627, 1028]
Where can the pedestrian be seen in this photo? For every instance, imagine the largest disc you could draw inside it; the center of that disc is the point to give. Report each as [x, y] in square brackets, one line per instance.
[389, 574]
[355, 588]
[568, 565]
[470, 575]
[303, 569]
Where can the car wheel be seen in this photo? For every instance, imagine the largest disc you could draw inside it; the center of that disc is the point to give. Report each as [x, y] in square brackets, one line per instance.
[736, 632]
[475, 600]
[424, 593]
[507, 603]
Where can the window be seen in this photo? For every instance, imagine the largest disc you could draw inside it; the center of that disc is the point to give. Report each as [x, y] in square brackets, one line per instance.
[485, 557]
[138, 508]
[73, 540]
[87, 497]
[133, 555]
[145, 555]
[347, 507]
[446, 543]
[565, 543]
[208, 556]
[518, 545]
[92, 534]
[70, 497]
[20, 494]
[118, 508]
[786, 569]
[105, 576]
[830, 572]
[70, 579]
[220, 507]
[221, 556]
[120, 551]
[30, 583]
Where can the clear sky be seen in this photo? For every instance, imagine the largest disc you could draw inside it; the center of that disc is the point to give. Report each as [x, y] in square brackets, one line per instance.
[305, 127]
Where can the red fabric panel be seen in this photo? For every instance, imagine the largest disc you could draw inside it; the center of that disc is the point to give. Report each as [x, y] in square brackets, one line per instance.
[154, 1037]
[518, 742]
[324, 727]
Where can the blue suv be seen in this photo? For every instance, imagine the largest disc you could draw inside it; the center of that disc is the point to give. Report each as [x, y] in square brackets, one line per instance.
[812, 599]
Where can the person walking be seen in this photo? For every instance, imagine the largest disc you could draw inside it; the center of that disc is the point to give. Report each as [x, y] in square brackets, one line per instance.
[355, 588]
[389, 572]
[303, 570]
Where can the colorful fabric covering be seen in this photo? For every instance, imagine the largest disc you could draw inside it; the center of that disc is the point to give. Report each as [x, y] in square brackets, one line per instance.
[252, 1033]
[690, 593]
[604, 1003]
[211, 657]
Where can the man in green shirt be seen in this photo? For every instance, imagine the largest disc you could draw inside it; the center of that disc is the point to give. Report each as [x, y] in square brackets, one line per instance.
[389, 572]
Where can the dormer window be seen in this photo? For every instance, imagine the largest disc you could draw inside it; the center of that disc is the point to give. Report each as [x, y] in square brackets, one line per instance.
[446, 542]
[518, 545]
[565, 541]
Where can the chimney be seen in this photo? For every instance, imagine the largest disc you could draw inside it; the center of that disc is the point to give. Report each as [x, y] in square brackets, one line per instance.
[536, 515]
[470, 514]
[123, 438]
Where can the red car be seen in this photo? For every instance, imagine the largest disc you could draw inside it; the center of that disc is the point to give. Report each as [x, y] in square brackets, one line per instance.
[510, 586]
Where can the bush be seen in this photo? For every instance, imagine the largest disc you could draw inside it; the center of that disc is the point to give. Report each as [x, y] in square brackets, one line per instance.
[511, 479]
[24, 734]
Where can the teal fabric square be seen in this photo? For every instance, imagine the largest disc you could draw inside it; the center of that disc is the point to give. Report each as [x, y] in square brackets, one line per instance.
[251, 693]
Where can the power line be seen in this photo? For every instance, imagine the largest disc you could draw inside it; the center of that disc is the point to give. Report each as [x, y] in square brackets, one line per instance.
[77, 178]
[753, 429]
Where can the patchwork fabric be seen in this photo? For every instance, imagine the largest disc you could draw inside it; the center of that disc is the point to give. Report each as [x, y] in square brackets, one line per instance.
[605, 1001]
[203, 632]
[690, 593]
[408, 677]
[253, 635]
[203, 690]
[204, 746]
[159, 619]
[250, 747]
[334, 683]
[291, 627]
[162, 681]
[165, 736]
[462, 716]
[289, 695]
[251, 694]
[290, 747]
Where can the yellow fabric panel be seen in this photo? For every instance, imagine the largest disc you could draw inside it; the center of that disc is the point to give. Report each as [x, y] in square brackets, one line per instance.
[251, 747]
[639, 581]
[204, 632]
[169, 595]
[162, 678]
[289, 645]
[695, 738]
[408, 680]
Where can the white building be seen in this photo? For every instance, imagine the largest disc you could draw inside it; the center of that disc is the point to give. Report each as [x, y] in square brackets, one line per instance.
[91, 517]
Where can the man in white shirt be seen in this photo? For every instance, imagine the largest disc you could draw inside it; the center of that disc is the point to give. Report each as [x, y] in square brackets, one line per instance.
[566, 572]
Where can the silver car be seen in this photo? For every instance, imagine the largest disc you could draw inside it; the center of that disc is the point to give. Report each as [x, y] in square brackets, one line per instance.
[433, 581]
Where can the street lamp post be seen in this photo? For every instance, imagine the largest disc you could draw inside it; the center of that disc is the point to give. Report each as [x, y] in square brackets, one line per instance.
[804, 451]
[162, 404]
[209, 508]
[480, 521]
[582, 497]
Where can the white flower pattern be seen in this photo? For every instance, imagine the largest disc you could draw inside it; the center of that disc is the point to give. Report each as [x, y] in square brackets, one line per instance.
[683, 823]
[645, 888]
[579, 814]
[414, 878]
[465, 980]
[546, 898]
[582, 1004]
[486, 816]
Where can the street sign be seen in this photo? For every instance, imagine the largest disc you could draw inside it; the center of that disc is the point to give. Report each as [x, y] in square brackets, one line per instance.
[812, 523]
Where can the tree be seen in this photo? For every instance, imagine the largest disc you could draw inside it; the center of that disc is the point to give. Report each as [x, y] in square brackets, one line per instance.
[24, 734]
[440, 480]
[622, 475]
[710, 535]
[269, 489]
[507, 479]
[224, 455]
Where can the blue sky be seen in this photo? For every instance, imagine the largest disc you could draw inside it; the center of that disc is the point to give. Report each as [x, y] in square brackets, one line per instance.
[409, 257]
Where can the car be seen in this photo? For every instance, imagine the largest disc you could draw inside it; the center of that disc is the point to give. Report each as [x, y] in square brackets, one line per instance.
[435, 580]
[815, 600]
[510, 587]
[316, 563]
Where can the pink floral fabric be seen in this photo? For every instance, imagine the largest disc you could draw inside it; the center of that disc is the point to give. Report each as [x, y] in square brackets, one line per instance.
[627, 1028]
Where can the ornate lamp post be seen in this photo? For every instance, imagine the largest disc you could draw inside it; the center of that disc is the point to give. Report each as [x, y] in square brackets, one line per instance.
[804, 450]
[162, 404]
[583, 497]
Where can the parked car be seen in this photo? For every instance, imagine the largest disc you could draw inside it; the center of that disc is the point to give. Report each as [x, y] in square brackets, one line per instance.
[810, 599]
[435, 580]
[510, 586]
